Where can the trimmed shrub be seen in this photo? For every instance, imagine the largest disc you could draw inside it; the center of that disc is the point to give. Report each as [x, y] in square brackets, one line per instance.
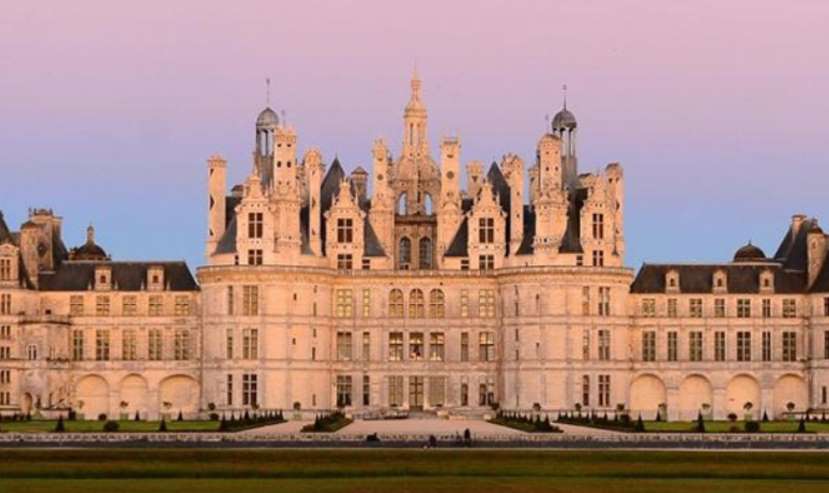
[162, 427]
[700, 427]
[765, 417]
[752, 426]
[640, 425]
[102, 417]
[59, 426]
[180, 417]
[111, 426]
[801, 427]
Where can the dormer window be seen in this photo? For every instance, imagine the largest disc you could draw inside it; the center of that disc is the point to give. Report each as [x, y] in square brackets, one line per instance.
[155, 278]
[767, 281]
[6, 269]
[103, 278]
[720, 281]
[486, 230]
[672, 281]
[345, 230]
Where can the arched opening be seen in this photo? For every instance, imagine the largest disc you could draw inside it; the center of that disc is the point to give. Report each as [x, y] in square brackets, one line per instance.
[790, 395]
[427, 203]
[26, 403]
[695, 396]
[416, 304]
[425, 253]
[743, 396]
[402, 204]
[178, 393]
[133, 396]
[437, 306]
[92, 396]
[396, 303]
[647, 393]
[404, 254]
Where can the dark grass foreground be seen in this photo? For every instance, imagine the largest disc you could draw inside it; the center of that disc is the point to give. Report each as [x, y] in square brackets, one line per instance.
[435, 470]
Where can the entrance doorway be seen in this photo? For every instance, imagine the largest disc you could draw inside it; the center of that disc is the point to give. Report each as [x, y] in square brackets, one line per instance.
[416, 393]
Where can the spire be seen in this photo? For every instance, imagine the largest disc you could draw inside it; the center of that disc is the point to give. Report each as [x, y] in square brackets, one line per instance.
[564, 95]
[267, 92]
[90, 234]
[415, 85]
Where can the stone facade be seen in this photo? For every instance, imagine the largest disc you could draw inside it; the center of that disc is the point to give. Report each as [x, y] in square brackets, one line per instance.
[418, 296]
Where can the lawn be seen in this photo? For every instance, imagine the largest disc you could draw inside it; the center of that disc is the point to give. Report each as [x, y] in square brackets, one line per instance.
[725, 426]
[97, 426]
[430, 470]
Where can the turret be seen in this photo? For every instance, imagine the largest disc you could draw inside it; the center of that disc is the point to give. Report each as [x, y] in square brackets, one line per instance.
[816, 251]
[449, 205]
[285, 173]
[415, 142]
[314, 171]
[474, 177]
[266, 124]
[513, 169]
[216, 189]
[381, 214]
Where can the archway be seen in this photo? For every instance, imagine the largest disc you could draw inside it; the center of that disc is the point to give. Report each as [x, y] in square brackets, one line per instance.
[427, 204]
[92, 396]
[402, 204]
[133, 393]
[26, 403]
[694, 394]
[647, 392]
[178, 393]
[741, 390]
[790, 389]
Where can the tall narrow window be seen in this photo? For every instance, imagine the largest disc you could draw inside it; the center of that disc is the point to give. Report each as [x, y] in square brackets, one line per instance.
[604, 345]
[437, 307]
[77, 345]
[598, 258]
[585, 390]
[404, 255]
[672, 346]
[604, 302]
[5, 269]
[230, 300]
[181, 345]
[102, 345]
[719, 346]
[464, 303]
[486, 346]
[395, 346]
[436, 346]
[672, 308]
[366, 346]
[425, 253]
[154, 345]
[129, 345]
[255, 225]
[743, 346]
[719, 308]
[649, 345]
[585, 301]
[395, 391]
[344, 390]
[5, 304]
[416, 304]
[486, 303]
[598, 226]
[344, 346]
[604, 390]
[486, 230]
[229, 344]
[250, 389]
[250, 344]
[396, 303]
[464, 346]
[695, 346]
[366, 390]
[345, 230]
[766, 346]
[229, 390]
[250, 300]
[416, 346]
[695, 308]
[766, 308]
[366, 302]
[789, 346]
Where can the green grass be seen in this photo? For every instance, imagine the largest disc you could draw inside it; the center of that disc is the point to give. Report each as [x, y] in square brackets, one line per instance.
[433, 471]
[725, 426]
[35, 426]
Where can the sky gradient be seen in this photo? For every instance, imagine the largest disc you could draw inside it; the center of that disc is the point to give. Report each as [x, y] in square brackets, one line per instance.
[717, 110]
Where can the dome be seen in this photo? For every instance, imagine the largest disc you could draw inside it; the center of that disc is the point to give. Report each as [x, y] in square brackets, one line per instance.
[89, 250]
[267, 118]
[749, 253]
[564, 119]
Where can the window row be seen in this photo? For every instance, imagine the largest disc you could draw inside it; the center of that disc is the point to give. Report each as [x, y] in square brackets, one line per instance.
[417, 306]
[743, 350]
[602, 391]
[155, 305]
[742, 308]
[157, 345]
[250, 300]
[414, 391]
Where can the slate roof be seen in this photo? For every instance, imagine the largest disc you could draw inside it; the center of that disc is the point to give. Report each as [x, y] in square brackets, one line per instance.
[371, 245]
[571, 243]
[459, 245]
[741, 278]
[227, 243]
[5, 233]
[328, 190]
[502, 190]
[129, 276]
[821, 283]
[526, 247]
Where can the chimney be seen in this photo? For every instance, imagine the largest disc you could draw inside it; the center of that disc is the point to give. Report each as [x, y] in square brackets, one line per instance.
[815, 251]
[359, 177]
[797, 221]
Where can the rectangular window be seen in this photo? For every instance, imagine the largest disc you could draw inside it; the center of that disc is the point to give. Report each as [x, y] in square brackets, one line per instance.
[743, 346]
[695, 308]
[182, 306]
[229, 344]
[604, 345]
[255, 256]
[181, 345]
[5, 332]
[129, 306]
[695, 345]
[766, 346]
[789, 308]
[585, 390]
[464, 346]
[604, 302]
[5, 269]
[437, 391]
[673, 346]
[77, 345]
[366, 302]
[585, 345]
[585, 301]
[649, 345]
[672, 311]
[76, 305]
[102, 306]
[464, 264]
[155, 304]
[486, 230]
[649, 307]
[366, 390]
[396, 303]
[486, 262]
[436, 346]
[345, 230]
[102, 345]
[486, 346]
[486, 303]
[345, 261]
[719, 308]
[743, 308]
[129, 345]
[789, 346]
[766, 308]
[5, 353]
[598, 258]
[344, 303]
[719, 346]
[604, 390]
[343, 390]
[464, 303]
[366, 346]
[396, 390]
[464, 394]
[250, 344]
[250, 300]
[344, 346]
[598, 226]
[155, 348]
[250, 389]
[230, 300]
[826, 307]
[416, 346]
[5, 304]
[229, 390]
[5, 376]
[255, 225]
[395, 346]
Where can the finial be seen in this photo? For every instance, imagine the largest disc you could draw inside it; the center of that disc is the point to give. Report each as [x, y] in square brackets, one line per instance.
[267, 91]
[90, 233]
[284, 119]
[564, 92]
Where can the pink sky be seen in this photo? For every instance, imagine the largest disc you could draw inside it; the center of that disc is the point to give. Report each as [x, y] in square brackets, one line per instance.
[716, 109]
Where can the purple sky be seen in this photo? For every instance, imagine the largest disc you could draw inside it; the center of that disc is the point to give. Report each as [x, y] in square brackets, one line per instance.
[717, 110]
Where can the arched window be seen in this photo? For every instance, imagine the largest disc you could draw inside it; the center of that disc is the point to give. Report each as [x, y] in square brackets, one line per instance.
[425, 253]
[416, 304]
[396, 303]
[402, 204]
[427, 204]
[437, 307]
[404, 254]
